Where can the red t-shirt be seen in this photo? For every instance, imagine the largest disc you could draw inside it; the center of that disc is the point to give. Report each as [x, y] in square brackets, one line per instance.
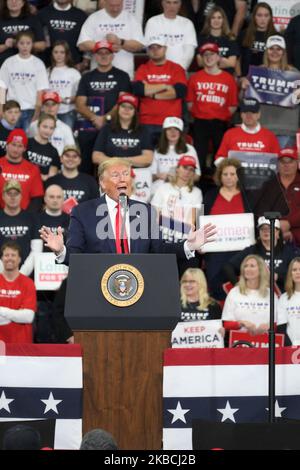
[154, 111]
[222, 206]
[28, 176]
[212, 95]
[239, 140]
[17, 294]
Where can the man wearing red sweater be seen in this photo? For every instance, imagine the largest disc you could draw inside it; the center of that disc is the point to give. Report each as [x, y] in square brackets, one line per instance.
[250, 137]
[14, 167]
[161, 85]
[17, 298]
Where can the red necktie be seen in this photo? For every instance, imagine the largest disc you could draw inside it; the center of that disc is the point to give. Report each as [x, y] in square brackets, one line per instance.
[118, 226]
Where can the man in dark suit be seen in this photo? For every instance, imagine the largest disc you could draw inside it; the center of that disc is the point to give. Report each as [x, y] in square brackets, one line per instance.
[96, 226]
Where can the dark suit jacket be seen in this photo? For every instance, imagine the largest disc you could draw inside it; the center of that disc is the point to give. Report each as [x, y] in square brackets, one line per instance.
[90, 230]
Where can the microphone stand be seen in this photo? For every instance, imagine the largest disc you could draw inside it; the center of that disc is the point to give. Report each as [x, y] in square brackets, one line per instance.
[123, 208]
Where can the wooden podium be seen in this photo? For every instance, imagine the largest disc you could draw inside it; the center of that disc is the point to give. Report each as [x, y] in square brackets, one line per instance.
[123, 347]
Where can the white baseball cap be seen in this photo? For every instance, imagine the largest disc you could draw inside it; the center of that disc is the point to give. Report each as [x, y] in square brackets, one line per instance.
[173, 122]
[275, 40]
[263, 221]
[160, 40]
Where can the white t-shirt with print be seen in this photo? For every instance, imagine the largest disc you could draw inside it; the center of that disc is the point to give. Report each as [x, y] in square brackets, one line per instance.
[23, 79]
[64, 80]
[289, 312]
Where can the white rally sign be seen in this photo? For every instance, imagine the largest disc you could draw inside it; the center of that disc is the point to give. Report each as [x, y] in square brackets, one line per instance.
[234, 232]
[136, 7]
[198, 334]
[283, 11]
[47, 274]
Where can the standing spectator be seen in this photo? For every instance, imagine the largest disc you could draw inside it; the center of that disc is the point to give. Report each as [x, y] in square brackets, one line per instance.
[62, 134]
[212, 97]
[15, 16]
[178, 31]
[250, 137]
[161, 84]
[10, 117]
[123, 136]
[14, 166]
[171, 147]
[79, 186]
[25, 78]
[40, 151]
[17, 298]
[289, 304]
[64, 79]
[63, 22]
[253, 40]
[19, 225]
[116, 26]
[287, 183]
[292, 37]
[97, 94]
[216, 29]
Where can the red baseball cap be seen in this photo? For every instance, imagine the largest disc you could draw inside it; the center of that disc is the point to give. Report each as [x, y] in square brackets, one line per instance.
[209, 46]
[128, 98]
[17, 135]
[51, 95]
[103, 45]
[289, 152]
[187, 160]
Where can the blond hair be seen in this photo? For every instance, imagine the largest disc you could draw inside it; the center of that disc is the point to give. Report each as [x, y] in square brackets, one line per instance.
[113, 161]
[283, 61]
[198, 275]
[264, 278]
[289, 283]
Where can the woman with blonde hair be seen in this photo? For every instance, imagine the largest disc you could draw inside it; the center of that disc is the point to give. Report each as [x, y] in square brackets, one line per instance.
[196, 303]
[247, 306]
[289, 304]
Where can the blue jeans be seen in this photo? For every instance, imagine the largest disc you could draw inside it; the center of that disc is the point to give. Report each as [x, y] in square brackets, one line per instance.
[68, 118]
[25, 119]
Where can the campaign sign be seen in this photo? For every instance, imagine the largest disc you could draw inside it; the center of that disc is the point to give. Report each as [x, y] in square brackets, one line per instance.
[173, 230]
[283, 11]
[142, 184]
[257, 168]
[234, 232]
[258, 341]
[96, 105]
[272, 86]
[136, 7]
[198, 334]
[47, 274]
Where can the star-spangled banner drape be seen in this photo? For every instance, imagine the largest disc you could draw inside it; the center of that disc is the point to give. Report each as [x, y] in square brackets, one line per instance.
[224, 385]
[39, 382]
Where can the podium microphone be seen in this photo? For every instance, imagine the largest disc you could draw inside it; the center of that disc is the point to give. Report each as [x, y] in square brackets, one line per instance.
[123, 202]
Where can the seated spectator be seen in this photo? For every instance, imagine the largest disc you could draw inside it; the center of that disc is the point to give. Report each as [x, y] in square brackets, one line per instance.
[284, 185]
[10, 116]
[20, 225]
[284, 252]
[212, 97]
[24, 87]
[196, 303]
[252, 40]
[283, 121]
[21, 437]
[171, 147]
[216, 30]
[97, 94]
[289, 304]
[180, 47]
[15, 166]
[62, 22]
[226, 198]
[98, 439]
[17, 298]
[75, 184]
[16, 17]
[64, 79]
[40, 151]
[120, 28]
[123, 136]
[247, 306]
[251, 136]
[161, 85]
[62, 134]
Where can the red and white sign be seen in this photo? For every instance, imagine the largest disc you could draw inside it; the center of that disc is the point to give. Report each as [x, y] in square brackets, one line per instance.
[198, 334]
[283, 11]
[258, 341]
[47, 274]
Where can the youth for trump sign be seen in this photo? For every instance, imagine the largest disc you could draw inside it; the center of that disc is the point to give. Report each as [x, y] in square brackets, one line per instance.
[198, 334]
[283, 11]
[234, 232]
[273, 86]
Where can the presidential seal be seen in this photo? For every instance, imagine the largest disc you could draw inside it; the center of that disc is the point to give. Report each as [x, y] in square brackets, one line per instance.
[122, 285]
